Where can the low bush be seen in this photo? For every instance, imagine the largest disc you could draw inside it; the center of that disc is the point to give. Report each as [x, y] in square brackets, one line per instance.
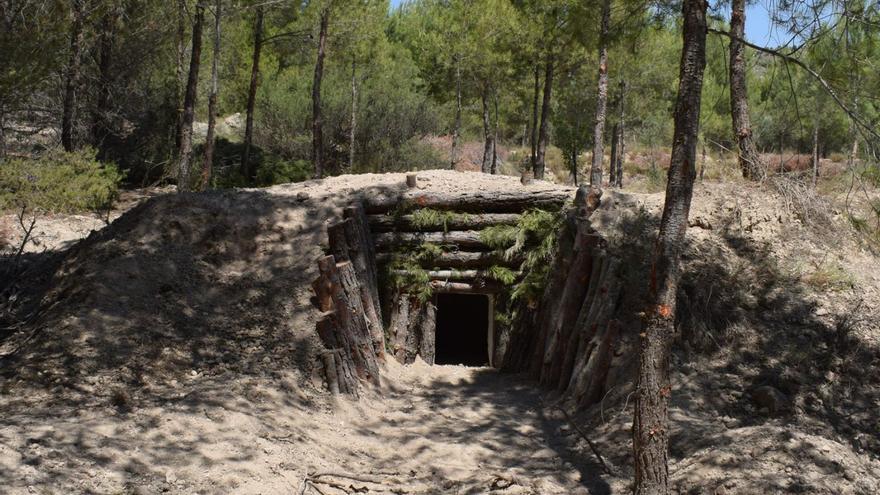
[59, 182]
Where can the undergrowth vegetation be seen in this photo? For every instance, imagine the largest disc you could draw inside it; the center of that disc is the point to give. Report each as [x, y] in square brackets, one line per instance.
[59, 182]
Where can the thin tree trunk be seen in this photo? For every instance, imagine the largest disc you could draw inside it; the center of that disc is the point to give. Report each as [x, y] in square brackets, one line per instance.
[749, 159]
[71, 82]
[184, 152]
[651, 418]
[317, 124]
[544, 131]
[456, 127]
[533, 135]
[100, 123]
[246, 169]
[621, 137]
[352, 128]
[208, 164]
[815, 159]
[494, 168]
[181, 72]
[489, 139]
[612, 168]
[601, 100]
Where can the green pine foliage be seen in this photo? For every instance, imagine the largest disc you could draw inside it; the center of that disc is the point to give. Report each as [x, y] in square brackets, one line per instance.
[59, 182]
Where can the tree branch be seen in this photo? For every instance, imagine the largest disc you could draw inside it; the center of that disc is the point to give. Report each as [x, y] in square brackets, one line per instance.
[827, 87]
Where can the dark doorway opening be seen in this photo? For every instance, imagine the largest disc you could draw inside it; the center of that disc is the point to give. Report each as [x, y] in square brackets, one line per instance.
[462, 334]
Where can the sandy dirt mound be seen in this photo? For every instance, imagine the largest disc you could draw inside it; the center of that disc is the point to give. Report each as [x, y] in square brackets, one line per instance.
[175, 353]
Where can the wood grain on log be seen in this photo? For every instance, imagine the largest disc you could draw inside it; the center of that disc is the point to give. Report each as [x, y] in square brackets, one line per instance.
[465, 221]
[344, 324]
[463, 239]
[350, 240]
[476, 287]
[511, 201]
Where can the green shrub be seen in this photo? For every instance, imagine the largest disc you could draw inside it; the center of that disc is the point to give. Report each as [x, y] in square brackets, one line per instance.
[275, 170]
[59, 182]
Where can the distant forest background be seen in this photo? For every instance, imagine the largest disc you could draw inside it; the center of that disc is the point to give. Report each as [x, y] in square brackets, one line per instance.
[403, 87]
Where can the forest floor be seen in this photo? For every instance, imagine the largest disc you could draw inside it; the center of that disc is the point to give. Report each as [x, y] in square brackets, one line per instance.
[171, 354]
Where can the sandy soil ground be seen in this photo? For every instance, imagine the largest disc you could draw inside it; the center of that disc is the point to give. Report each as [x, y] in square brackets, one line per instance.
[173, 354]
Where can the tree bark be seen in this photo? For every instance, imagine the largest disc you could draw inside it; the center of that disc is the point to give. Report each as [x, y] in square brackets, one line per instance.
[456, 126]
[407, 223]
[71, 79]
[544, 131]
[815, 155]
[617, 164]
[512, 201]
[352, 127]
[184, 151]
[533, 135]
[489, 140]
[180, 69]
[464, 239]
[601, 100]
[100, 117]
[494, 168]
[615, 143]
[247, 171]
[208, 164]
[317, 124]
[651, 418]
[749, 159]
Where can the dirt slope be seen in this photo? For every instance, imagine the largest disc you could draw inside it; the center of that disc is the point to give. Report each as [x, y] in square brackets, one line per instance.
[175, 348]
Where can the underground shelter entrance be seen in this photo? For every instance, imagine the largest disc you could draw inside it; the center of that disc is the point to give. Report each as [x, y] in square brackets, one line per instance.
[463, 334]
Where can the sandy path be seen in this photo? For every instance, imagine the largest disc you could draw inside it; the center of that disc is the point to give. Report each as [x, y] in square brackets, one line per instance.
[440, 429]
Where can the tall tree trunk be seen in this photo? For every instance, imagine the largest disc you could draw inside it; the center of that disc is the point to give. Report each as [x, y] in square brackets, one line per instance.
[317, 124]
[100, 116]
[533, 135]
[601, 100]
[494, 169]
[456, 126]
[815, 156]
[651, 419]
[184, 151]
[489, 139]
[208, 164]
[749, 159]
[352, 127]
[180, 70]
[71, 79]
[246, 169]
[615, 144]
[544, 131]
[621, 136]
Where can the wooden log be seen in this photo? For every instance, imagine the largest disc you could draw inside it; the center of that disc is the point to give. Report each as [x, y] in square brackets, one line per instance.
[464, 221]
[550, 299]
[463, 239]
[599, 364]
[454, 274]
[328, 358]
[474, 287]
[596, 330]
[346, 319]
[458, 259]
[582, 332]
[571, 300]
[508, 201]
[366, 259]
[349, 240]
[399, 326]
[427, 333]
